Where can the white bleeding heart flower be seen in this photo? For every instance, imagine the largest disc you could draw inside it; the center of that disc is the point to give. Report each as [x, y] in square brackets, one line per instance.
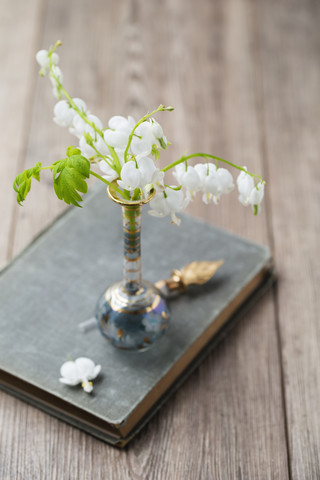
[117, 135]
[80, 126]
[143, 139]
[101, 146]
[98, 147]
[64, 113]
[168, 202]
[141, 174]
[122, 123]
[189, 178]
[86, 149]
[110, 147]
[146, 135]
[109, 173]
[225, 183]
[150, 174]
[214, 181]
[257, 194]
[157, 132]
[82, 370]
[43, 60]
[250, 194]
[245, 185]
[130, 176]
[56, 78]
[116, 139]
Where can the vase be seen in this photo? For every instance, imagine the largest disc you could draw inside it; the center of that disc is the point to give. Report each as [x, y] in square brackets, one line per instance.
[132, 314]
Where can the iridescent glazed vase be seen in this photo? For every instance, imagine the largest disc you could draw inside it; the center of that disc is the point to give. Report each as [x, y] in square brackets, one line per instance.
[132, 314]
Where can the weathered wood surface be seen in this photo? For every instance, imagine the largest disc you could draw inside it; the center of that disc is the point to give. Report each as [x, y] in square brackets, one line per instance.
[244, 78]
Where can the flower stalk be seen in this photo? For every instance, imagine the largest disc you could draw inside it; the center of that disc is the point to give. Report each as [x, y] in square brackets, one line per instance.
[126, 152]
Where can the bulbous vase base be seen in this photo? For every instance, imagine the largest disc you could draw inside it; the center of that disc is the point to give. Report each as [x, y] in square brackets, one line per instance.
[132, 317]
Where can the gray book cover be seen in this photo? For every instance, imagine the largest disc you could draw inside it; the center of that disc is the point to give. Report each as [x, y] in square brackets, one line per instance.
[55, 284]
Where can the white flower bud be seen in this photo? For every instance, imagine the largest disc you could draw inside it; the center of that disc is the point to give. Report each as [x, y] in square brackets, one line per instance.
[168, 202]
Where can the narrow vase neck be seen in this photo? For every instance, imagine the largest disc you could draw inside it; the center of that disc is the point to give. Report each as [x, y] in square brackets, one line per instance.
[131, 216]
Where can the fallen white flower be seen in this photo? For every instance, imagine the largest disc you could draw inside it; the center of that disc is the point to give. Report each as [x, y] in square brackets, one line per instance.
[82, 370]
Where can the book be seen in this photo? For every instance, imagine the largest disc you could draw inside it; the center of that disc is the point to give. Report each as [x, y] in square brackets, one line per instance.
[54, 285]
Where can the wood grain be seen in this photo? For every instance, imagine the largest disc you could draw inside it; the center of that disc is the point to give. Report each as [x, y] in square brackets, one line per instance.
[16, 98]
[243, 76]
[291, 109]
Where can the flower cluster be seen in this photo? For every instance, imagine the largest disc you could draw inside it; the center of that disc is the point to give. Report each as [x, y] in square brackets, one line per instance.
[126, 152]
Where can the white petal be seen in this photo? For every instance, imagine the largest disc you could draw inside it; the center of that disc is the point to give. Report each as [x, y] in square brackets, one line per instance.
[211, 185]
[191, 179]
[206, 197]
[63, 114]
[130, 176]
[110, 174]
[57, 72]
[68, 381]
[85, 366]
[42, 58]
[175, 199]
[245, 184]
[116, 138]
[256, 195]
[86, 149]
[95, 373]
[176, 220]
[244, 200]
[87, 387]
[156, 129]
[156, 213]
[143, 139]
[141, 146]
[179, 172]
[242, 175]
[94, 119]
[78, 123]
[201, 169]
[147, 168]
[225, 180]
[80, 104]
[118, 123]
[55, 58]
[69, 371]
[101, 146]
[159, 206]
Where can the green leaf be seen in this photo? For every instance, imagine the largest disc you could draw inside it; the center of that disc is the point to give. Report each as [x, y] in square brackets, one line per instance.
[22, 182]
[73, 151]
[69, 177]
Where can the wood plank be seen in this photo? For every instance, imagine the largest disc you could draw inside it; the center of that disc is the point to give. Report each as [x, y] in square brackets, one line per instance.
[228, 418]
[290, 83]
[16, 95]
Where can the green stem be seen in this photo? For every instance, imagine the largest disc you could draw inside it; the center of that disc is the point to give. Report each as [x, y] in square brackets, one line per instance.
[206, 156]
[176, 189]
[161, 108]
[122, 193]
[117, 165]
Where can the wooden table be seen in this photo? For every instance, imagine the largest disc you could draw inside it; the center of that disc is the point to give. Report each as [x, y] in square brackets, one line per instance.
[244, 78]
